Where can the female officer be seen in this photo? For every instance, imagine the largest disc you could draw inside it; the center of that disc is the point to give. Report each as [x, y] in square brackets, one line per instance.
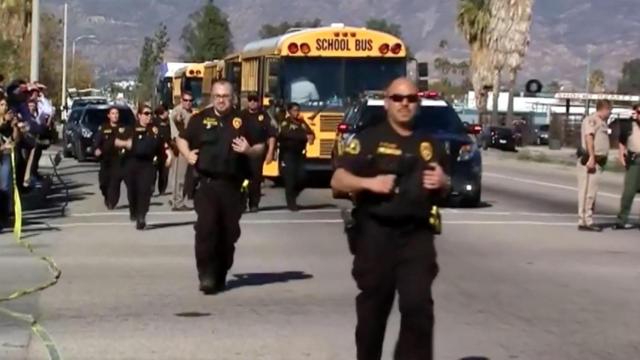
[145, 147]
[111, 158]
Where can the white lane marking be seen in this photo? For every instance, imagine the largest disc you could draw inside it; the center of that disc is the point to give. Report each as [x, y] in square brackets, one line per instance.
[547, 184]
[311, 221]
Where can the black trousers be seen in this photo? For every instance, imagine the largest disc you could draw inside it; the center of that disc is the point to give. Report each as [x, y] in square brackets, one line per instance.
[219, 208]
[162, 175]
[255, 181]
[140, 181]
[293, 175]
[110, 178]
[389, 260]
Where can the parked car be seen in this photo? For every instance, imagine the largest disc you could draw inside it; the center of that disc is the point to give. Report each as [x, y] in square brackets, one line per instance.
[82, 125]
[542, 135]
[498, 137]
[442, 122]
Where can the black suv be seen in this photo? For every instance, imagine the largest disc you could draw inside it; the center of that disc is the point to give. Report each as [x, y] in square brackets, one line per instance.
[82, 125]
[439, 119]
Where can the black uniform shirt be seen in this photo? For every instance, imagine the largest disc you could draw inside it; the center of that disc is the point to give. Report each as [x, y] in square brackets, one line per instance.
[380, 150]
[213, 135]
[293, 135]
[147, 144]
[259, 125]
[105, 139]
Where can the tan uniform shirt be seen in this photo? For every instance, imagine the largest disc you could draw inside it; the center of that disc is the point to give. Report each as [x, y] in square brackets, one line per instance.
[179, 120]
[633, 141]
[593, 125]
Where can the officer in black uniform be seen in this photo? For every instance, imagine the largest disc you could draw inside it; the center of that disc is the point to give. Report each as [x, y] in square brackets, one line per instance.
[144, 149]
[294, 135]
[111, 158]
[218, 145]
[397, 177]
[164, 130]
[262, 131]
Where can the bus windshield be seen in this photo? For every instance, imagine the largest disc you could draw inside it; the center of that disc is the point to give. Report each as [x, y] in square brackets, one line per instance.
[194, 85]
[334, 82]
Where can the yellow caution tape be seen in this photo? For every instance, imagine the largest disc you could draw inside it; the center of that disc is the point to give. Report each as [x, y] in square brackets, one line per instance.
[36, 328]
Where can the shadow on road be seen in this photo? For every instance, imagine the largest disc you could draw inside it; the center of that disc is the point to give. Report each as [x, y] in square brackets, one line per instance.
[475, 358]
[169, 225]
[259, 279]
[301, 207]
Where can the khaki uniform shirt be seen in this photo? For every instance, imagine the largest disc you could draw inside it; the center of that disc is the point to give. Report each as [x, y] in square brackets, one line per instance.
[593, 125]
[179, 120]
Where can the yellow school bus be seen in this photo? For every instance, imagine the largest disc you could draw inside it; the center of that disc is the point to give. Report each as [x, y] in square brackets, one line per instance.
[323, 69]
[189, 78]
[213, 70]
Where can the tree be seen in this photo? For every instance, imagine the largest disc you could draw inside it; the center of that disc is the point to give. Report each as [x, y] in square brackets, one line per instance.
[152, 55]
[382, 25]
[269, 30]
[630, 81]
[597, 81]
[472, 21]
[509, 37]
[207, 35]
[443, 44]
[553, 87]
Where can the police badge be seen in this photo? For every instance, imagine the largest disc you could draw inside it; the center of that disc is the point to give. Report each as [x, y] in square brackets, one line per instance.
[237, 122]
[426, 151]
[260, 117]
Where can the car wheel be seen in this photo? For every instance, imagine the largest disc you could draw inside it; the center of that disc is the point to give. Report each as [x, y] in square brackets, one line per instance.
[79, 152]
[473, 201]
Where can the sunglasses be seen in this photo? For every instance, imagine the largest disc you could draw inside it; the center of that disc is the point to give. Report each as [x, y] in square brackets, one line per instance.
[146, 113]
[253, 99]
[187, 100]
[412, 98]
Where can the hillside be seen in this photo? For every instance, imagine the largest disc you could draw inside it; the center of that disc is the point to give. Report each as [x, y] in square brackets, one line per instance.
[561, 32]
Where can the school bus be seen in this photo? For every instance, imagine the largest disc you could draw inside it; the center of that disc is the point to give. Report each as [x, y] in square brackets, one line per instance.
[323, 69]
[189, 78]
[164, 83]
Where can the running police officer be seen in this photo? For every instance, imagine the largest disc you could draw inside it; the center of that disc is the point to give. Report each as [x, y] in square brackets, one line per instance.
[262, 131]
[217, 143]
[144, 149]
[111, 158]
[593, 156]
[164, 130]
[294, 135]
[629, 154]
[396, 177]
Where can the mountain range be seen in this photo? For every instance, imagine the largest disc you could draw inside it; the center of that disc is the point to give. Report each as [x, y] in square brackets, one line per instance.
[563, 33]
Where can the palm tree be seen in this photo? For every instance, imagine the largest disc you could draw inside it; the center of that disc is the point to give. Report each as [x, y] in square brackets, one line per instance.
[15, 16]
[473, 21]
[597, 81]
[509, 38]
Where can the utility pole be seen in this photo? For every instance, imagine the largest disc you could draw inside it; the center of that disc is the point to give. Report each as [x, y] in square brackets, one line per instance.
[588, 85]
[63, 101]
[35, 41]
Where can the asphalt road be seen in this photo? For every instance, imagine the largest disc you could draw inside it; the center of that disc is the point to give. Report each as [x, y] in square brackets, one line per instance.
[517, 280]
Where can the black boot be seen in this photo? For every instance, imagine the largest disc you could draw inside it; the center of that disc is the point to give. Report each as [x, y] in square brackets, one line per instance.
[141, 224]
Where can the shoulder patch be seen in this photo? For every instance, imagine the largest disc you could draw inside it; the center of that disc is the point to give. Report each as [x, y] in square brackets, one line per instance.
[426, 151]
[353, 147]
[237, 123]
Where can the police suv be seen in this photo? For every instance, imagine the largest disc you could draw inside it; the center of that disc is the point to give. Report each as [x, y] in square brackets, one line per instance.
[438, 118]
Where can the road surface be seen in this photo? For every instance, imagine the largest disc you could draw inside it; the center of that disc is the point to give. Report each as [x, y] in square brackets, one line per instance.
[517, 280]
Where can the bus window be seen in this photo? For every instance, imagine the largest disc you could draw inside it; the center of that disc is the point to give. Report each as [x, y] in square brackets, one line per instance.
[194, 86]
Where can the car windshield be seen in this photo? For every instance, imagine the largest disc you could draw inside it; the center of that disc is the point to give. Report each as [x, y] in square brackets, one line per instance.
[432, 119]
[84, 102]
[334, 83]
[93, 118]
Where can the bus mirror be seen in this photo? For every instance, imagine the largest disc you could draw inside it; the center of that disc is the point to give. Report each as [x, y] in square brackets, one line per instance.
[274, 69]
[423, 70]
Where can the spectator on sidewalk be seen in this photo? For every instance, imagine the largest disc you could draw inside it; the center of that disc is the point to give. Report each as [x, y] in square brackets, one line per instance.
[8, 134]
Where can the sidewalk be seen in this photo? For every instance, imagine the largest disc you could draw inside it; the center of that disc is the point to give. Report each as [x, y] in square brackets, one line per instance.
[564, 156]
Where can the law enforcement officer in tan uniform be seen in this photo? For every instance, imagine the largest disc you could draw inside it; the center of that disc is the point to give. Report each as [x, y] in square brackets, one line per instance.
[629, 154]
[594, 153]
[179, 119]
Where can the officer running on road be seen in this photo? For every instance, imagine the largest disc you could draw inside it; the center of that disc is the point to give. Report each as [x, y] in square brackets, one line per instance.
[111, 158]
[593, 157]
[629, 154]
[217, 143]
[396, 177]
[145, 148]
[262, 131]
[294, 135]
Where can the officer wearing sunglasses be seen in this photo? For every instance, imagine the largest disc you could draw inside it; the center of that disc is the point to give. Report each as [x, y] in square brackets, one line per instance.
[145, 149]
[396, 176]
